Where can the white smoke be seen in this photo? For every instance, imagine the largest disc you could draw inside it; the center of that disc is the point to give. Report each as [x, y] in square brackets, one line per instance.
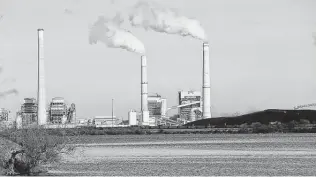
[3, 94]
[109, 32]
[150, 15]
[314, 36]
[8, 92]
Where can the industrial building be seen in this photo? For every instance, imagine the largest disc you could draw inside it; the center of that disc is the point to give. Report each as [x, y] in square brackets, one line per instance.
[157, 106]
[4, 114]
[191, 101]
[105, 121]
[58, 112]
[191, 106]
[28, 111]
[132, 118]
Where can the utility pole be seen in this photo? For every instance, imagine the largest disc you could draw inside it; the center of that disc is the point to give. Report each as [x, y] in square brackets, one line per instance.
[112, 112]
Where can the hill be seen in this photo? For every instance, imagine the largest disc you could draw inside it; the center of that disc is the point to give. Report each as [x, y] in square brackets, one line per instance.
[264, 117]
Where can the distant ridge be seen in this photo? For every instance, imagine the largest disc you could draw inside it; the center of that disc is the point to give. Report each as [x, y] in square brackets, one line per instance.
[264, 117]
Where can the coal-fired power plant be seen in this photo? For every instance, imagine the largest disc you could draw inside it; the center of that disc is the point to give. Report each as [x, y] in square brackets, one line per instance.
[206, 90]
[144, 92]
[41, 97]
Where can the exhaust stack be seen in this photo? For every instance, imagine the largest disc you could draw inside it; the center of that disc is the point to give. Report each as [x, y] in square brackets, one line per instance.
[41, 95]
[206, 90]
[144, 92]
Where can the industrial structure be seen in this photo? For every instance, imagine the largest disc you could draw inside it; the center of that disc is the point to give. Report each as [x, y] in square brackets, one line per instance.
[206, 89]
[59, 113]
[71, 114]
[41, 94]
[192, 104]
[4, 114]
[132, 118]
[189, 104]
[144, 92]
[105, 121]
[157, 106]
[28, 112]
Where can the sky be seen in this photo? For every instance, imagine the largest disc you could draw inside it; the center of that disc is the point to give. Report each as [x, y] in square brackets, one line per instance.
[262, 55]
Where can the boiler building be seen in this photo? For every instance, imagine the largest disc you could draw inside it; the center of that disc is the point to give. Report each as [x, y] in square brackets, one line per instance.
[57, 111]
[4, 114]
[187, 97]
[157, 106]
[29, 111]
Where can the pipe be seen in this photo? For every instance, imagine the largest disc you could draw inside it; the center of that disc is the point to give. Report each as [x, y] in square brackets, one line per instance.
[206, 104]
[41, 95]
[144, 92]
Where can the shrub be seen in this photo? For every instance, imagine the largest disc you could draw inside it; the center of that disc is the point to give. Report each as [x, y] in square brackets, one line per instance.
[304, 121]
[260, 128]
[36, 148]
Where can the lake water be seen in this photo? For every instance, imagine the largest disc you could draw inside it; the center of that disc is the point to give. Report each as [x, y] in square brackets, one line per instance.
[188, 155]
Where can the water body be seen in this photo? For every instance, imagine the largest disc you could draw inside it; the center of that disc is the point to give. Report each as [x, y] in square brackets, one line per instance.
[188, 155]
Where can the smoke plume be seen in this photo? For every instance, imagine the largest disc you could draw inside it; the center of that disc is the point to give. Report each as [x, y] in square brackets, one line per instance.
[314, 36]
[150, 15]
[109, 32]
[8, 92]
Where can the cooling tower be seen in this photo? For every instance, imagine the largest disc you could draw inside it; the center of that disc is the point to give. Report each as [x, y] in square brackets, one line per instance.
[41, 97]
[144, 92]
[206, 91]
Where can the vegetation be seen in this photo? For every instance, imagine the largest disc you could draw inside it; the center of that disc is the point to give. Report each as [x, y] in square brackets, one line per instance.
[26, 151]
[33, 148]
[255, 127]
[264, 117]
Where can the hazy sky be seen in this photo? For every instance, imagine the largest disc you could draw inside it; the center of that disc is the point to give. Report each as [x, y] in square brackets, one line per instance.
[262, 54]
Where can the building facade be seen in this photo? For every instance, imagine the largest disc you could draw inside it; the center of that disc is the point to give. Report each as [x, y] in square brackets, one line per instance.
[157, 106]
[29, 111]
[4, 114]
[57, 111]
[187, 97]
[106, 121]
[132, 118]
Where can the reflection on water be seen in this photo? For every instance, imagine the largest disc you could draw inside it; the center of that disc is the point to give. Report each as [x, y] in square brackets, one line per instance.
[256, 156]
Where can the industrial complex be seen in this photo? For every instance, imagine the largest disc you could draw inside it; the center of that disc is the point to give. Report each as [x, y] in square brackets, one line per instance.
[192, 105]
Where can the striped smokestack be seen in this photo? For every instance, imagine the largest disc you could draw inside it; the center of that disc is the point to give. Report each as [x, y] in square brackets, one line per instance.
[144, 91]
[41, 95]
[206, 91]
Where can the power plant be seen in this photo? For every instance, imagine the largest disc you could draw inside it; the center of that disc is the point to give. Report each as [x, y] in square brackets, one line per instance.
[190, 111]
[202, 105]
[41, 95]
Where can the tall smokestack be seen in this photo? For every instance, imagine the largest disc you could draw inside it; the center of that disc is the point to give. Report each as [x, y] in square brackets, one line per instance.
[206, 105]
[144, 92]
[41, 95]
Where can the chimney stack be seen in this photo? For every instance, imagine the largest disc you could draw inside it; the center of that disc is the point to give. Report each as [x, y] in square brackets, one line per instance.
[144, 92]
[41, 95]
[206, 90]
